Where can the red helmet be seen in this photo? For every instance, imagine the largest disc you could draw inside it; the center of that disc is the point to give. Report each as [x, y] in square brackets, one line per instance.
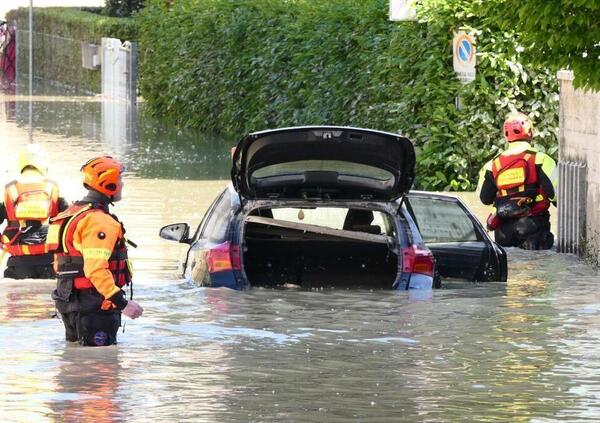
[103, 174]
[518, 126]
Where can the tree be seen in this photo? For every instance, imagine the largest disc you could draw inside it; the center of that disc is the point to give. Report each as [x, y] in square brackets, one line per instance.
[122, 8]
[555, 33]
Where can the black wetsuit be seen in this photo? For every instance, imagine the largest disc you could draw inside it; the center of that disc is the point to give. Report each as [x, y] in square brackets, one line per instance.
[529, 232]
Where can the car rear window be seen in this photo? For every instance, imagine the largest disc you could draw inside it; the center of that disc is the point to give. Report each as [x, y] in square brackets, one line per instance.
[341, 167]
[442, 221]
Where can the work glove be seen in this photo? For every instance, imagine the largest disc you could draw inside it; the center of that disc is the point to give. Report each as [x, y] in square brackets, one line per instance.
[133, 310]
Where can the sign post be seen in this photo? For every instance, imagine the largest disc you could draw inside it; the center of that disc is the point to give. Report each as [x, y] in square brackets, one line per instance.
[30, 71]
[463, 54]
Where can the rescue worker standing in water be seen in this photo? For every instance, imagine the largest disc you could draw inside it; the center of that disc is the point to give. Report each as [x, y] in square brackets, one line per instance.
[29, 202]
[91, 261]
[521, 183]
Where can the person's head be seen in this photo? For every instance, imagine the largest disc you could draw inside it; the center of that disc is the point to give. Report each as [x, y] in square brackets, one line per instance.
[33, 157]
[104, 175]
[518, 126]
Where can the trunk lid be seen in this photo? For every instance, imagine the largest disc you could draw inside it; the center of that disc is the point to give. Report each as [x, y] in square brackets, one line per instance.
[323, 163]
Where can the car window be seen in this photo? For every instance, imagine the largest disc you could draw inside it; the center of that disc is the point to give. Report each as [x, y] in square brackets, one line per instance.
[217, 222]
[331, 217]
[441, 220]
[338, 166]
[202, 225]
[387, 224]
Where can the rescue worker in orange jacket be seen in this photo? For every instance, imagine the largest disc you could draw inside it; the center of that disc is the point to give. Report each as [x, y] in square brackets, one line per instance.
[521, 183]
[91, 261]
[29, 202]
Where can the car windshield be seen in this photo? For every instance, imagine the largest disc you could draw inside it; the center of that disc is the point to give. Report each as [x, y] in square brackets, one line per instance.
[341, 167]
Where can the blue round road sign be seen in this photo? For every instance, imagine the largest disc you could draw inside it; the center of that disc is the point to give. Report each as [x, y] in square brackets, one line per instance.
[464, 50]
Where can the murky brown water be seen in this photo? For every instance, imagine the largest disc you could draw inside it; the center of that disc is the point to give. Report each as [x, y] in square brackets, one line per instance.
[526, 350]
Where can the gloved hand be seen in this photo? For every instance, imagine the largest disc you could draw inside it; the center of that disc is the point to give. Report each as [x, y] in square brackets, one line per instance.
[493, 222]
[133, 310]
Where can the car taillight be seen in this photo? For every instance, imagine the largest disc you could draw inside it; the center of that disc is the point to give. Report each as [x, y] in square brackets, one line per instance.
[417, 259]
[223, 257]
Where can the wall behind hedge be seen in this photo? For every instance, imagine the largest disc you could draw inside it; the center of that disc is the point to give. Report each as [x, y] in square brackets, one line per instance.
[231, 66]
[58, 34]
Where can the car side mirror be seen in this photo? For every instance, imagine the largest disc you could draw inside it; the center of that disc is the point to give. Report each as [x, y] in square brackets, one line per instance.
[176, 232]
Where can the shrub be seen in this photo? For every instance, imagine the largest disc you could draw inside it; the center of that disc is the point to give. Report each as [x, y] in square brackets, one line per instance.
[558, 34]
[230, 66]
[122, 8]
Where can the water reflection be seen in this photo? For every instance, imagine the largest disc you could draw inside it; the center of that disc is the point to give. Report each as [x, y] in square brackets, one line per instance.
[87, 385]
[17, 303]
[148, 149]
[525, 350]
[8, 109]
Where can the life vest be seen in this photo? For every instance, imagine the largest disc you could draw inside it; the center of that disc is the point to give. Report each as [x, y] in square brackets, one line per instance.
[516, 177]
[68, 261]
[27, 203]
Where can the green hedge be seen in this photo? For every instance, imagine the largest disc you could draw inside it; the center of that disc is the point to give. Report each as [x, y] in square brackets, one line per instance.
[233, 67]
[122, 8]
[58, 34]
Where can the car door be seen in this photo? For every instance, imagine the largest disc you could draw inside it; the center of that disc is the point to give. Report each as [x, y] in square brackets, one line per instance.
[461, 246]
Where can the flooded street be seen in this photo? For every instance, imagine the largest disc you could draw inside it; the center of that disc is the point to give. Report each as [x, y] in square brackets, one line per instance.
[525, 350]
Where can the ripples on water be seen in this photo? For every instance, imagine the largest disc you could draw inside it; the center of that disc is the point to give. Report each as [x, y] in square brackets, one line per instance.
[526, 350]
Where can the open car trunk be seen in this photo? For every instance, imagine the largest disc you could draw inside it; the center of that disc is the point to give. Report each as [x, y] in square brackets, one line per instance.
[327, 162]
[279, 252]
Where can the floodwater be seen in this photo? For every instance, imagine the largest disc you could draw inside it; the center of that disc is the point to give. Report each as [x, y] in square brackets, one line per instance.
[525, 350]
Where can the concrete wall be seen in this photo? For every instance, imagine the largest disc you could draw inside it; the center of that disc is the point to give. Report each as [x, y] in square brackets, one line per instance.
[579, 141]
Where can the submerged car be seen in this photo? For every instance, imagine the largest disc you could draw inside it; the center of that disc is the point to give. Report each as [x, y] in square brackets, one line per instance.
[327, 206]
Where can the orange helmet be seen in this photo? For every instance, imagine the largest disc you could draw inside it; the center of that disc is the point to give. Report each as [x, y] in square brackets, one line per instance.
[518, 126]
[103, 174]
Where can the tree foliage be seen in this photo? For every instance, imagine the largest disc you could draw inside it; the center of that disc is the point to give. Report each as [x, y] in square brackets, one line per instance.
[234, 67]
[122, 8]
[554, 33]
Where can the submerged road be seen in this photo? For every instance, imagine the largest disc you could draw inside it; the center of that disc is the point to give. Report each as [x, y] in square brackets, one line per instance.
[525, 350]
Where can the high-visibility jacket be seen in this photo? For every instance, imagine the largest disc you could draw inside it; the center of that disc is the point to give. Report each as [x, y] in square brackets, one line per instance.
[519, 174]
[26, 204]
[91, 249]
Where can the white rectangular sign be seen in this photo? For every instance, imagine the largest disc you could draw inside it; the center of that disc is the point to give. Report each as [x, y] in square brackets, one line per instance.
[463, 56]
[403, 10]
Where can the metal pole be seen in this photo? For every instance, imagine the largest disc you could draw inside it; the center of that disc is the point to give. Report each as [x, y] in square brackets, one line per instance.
[572, 206]
[566, 208]
[30, 71]
[561, 208]
[577, 207]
